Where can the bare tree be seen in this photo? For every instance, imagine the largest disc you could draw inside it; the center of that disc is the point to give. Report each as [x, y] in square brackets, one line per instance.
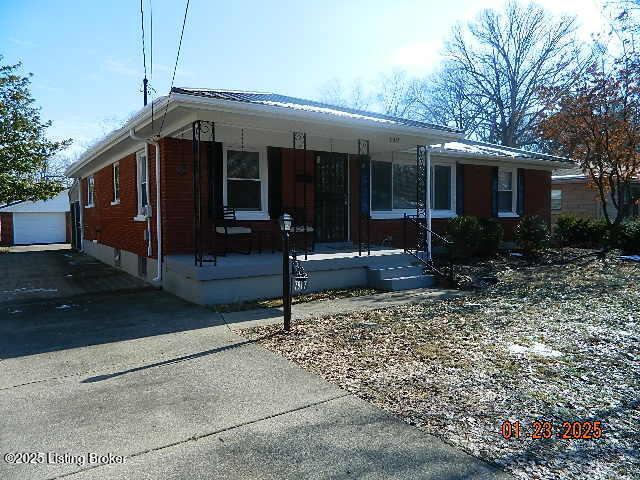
[444, 98]
[355, 96]
[396, 94]
[496, 66]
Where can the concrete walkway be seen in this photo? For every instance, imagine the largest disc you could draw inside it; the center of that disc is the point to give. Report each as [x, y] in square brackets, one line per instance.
[269, 316]
[173, 390]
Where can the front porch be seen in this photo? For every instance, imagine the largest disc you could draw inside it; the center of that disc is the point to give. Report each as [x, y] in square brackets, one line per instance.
[238, 277]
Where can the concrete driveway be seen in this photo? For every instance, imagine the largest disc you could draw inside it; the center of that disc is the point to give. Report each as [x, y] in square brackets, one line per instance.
[96, 364]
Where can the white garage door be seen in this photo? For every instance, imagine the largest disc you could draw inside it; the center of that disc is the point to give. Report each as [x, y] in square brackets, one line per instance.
[39, 228]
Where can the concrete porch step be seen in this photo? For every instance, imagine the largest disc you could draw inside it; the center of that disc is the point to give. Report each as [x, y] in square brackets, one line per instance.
[404, 277]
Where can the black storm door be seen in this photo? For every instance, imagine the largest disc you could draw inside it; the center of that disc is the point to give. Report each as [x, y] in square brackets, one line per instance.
[331, 197]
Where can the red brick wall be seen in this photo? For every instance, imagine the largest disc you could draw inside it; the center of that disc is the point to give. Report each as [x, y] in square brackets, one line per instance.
[477, 202]
[113, 225]
[6, 229]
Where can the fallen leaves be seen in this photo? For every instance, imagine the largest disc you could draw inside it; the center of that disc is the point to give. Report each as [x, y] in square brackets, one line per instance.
[450, 367]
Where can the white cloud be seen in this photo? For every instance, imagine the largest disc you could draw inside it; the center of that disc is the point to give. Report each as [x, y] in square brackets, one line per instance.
[416, 58]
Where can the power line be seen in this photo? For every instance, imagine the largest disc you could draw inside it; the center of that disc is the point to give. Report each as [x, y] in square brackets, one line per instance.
[144, 56]
[175, 67]
[151, 54]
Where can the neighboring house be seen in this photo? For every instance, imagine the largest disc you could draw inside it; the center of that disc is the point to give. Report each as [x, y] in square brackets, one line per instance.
[347, 176]
[573, 193]
[40, 222]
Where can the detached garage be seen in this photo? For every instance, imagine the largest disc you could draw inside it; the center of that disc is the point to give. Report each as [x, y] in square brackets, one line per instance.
[44, 221]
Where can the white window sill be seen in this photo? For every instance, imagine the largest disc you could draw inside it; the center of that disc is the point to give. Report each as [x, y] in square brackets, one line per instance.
[251, 215]
[115, 202]
[508, 215]
[398, 214]
[140, 218]
[91, 205]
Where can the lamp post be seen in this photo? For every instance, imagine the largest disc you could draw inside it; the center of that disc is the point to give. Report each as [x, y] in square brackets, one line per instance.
[285, 222]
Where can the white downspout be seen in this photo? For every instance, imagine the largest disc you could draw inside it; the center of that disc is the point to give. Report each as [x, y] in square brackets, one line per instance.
[156, 145]
[81, 212]
[428, 203]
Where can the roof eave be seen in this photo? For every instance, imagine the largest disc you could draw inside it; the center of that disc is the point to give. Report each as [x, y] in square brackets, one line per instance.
[501, 158]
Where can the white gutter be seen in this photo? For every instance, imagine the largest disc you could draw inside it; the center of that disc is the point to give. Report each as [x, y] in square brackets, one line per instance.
[428, 203]
[81, 210]
[156, 145]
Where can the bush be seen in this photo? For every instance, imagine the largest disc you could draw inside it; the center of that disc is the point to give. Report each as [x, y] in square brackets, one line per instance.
[491, 234]
[629, 237]
[464, 232]
[580, 232]
[531, 234]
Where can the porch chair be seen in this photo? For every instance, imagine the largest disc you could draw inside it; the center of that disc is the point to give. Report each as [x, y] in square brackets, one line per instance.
[225, 226]
[301, 224]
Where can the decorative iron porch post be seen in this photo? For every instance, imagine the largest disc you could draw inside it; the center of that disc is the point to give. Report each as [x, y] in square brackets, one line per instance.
[422, 199]
[365, 194]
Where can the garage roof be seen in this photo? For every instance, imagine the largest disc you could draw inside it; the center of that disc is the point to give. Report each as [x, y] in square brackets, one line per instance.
[59, 203]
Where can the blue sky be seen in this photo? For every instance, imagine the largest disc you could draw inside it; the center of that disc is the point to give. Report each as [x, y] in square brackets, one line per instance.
[86, 56]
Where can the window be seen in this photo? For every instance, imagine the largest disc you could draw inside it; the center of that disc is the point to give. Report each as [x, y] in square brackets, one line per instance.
[505, 191]
[393, 187]
[143, 180]
[381, 173]
[441, 187]
[142, 266]
[556, 199]
[244, 183]
[116, 183]
[90, 191]
[404, 186]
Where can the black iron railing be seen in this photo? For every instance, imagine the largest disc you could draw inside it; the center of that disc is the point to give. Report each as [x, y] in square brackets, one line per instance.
[420, 249]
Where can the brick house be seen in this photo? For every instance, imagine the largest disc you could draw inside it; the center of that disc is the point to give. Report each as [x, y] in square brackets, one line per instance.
[357, 183]
[571, 193]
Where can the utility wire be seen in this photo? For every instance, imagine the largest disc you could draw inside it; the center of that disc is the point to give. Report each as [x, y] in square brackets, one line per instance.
[175, 67]
[151, 55]
[144, 53]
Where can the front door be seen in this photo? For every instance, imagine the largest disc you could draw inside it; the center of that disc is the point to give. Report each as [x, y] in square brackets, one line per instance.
[331, 197]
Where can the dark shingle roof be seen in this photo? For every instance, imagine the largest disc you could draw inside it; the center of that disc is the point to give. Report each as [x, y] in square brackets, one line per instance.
[283, 101]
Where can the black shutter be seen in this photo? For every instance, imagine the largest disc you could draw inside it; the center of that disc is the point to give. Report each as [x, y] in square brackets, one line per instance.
[459, 189]
[520, 192]
[274, 159]
[494, 192]
[216, 181]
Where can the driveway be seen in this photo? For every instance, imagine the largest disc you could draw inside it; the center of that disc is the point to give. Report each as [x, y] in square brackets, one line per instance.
[96, 364]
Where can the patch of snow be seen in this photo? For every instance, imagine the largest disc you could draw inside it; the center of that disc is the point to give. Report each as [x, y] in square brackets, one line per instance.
[515, 254]
[18, 291]
[630, 258]
[65, 306]
[537, 349]
[13, 312]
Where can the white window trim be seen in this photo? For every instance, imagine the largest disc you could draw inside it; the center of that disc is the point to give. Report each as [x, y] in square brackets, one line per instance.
[141, 217]
[514, 193]
[263, 213]
[396, 213]
[91, 201]
[116, 198]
